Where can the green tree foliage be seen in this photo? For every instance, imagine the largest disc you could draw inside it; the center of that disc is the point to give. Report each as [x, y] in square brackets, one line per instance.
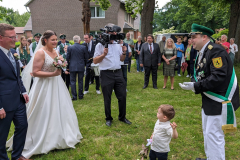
[134, 6]
[104, 4]
[165, 31]
[218, 35]
[20, 20]
[13, 17]
[182, 14]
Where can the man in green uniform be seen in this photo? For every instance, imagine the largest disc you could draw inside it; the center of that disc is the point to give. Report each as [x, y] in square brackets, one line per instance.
[215, 79]
[60, 48]
[34, 44]
[130, 42]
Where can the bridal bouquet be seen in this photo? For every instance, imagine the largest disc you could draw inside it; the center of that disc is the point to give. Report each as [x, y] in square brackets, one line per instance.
[60, 62]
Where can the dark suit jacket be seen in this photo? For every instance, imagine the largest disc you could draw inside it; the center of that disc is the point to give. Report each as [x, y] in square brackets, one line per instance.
[77, 56]
[10, 84]
[90, 54]
[148, 59]
[215, 80]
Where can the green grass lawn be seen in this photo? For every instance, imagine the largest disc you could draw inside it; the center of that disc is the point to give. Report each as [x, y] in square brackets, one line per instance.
[124, 142]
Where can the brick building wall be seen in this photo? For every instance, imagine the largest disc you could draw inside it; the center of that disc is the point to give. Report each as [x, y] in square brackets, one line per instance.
[64, 16]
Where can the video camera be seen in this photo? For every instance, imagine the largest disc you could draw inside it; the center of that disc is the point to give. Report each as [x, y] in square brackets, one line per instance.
[104, 38]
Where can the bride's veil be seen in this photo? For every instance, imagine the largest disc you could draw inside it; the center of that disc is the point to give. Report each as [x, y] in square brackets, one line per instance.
[26, 77]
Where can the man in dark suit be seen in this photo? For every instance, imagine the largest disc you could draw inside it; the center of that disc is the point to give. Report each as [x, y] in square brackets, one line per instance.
[13, 96]
[150, 59]
[77, 58]
[90, 44]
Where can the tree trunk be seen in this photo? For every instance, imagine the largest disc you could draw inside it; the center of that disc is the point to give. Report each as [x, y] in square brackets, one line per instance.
[86, 15]
[234, 25]
[147, 17]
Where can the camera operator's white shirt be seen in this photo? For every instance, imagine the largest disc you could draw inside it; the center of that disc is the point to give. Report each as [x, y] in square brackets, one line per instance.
[112, 59]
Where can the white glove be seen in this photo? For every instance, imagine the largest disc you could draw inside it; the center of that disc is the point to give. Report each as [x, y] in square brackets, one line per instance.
[149, 142]
[187, 86]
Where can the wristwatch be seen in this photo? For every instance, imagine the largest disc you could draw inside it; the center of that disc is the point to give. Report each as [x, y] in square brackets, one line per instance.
[169, 59]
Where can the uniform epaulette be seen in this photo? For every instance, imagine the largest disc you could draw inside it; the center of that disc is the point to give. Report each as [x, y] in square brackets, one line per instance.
[210, 47]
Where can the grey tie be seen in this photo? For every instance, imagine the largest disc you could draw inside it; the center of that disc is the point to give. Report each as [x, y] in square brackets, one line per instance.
[12, 61]
[200, 57]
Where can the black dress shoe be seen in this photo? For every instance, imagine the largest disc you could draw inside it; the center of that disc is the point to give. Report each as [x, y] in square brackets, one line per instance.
[109, 123]
[145, 86]
[200, 159]
[74, 99]
[126, 121]
[155, 87]
[80, 98]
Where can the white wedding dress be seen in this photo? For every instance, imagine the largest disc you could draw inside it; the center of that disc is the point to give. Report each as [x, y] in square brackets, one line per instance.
[52, 121]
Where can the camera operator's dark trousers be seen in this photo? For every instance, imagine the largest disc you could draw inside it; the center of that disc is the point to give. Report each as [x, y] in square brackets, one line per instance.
[89, 73]
[147, 74]
[113, 80]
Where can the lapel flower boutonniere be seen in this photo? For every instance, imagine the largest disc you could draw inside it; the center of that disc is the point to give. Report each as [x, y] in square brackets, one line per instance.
[210, 47]
[16, 56]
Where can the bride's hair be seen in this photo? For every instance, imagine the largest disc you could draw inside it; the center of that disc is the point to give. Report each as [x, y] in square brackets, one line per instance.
[46, 35]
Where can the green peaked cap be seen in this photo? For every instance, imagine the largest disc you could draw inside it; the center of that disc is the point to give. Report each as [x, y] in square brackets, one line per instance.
[63, 36]
[199, 29]
[37, 35]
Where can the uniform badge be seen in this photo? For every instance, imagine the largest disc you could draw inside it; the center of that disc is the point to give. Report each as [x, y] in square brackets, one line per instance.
[217, 62]
[210, 47]
[204, 60]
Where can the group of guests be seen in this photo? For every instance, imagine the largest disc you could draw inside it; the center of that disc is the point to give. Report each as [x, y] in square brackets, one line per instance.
[231, 47]
[171, 54]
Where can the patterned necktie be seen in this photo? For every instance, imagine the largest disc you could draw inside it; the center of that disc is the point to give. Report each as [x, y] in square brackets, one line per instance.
[199, 57]
[12, 61]
[150, 48]
[89, 50]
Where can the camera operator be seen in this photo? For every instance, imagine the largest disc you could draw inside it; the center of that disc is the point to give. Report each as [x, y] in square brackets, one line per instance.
[111, 76]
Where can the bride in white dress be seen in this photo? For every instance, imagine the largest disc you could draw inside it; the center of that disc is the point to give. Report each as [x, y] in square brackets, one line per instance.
[52, 121]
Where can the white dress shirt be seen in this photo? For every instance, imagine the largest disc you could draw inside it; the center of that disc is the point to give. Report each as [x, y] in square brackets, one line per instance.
[89, 46]
[232, 48]
[112, 60]
[20, 63]
[201, 52]
[129, 50]
[151, 46]
[162, 136]
[31, 51]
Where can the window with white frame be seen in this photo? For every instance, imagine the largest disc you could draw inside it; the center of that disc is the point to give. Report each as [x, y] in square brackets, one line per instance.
[97, 12]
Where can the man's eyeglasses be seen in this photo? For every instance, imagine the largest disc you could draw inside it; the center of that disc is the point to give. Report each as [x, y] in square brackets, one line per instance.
[12, 37]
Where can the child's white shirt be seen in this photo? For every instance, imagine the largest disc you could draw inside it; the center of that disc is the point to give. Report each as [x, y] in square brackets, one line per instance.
[162, 136]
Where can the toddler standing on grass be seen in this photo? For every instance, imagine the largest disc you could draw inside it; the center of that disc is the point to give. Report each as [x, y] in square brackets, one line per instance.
[163, 132]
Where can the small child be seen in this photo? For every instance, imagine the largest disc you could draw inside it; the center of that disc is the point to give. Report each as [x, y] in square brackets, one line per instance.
[163, 132]
[66, 74]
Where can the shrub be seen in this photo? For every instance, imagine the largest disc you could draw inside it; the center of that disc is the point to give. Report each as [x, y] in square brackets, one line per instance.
[72, 42]
[17, 44]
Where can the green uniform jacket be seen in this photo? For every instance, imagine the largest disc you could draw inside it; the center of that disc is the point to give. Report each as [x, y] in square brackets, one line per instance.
[24, 57]
[62, 52]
